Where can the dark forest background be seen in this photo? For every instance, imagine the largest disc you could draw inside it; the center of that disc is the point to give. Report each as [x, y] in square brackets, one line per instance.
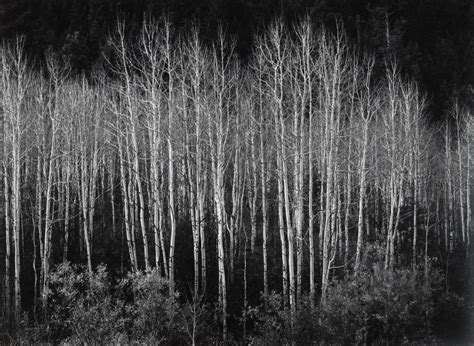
[431, 40]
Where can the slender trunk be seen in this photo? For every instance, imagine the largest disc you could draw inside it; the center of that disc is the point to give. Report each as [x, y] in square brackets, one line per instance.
[347, 211]
[361, 198]
[67, 209]
[468, 196]
[263, 177]
[461, 181]
[7, 246]
[415, 216]
[289, 226]
[171, 208]
[126, 208]
[16, 198]
[281, 227]
[264, 217]
[48, 216]
[92, 188]
[141, 198]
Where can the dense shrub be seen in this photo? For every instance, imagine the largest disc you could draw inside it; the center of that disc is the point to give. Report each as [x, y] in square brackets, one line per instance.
[375, 306]
[153, 316]
[80, 305]
[378, 305]
[271, 321]
[87, 308]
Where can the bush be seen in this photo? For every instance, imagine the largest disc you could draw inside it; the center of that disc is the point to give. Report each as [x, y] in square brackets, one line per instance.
[153, 315]
[81, 307]
[272, 322]
[378, 305]
[87, 308]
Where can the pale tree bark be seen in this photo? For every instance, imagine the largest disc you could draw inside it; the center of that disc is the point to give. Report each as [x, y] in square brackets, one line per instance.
[332, 70]
[263, 170]
[311, 147]
[8, 245]
[348, 186]
[133, 121]
[126, 208]
[197, 70]
[263, 177]
[253, 190]
[460, 123]
[168, 56]
[196, 67]
[448, 209]
[49, 186]
[15, 82]
[67, 172]
[132, 125]
[396, 161]
[469, 189]
[302, 99]
[413, 108]
[152, 68]
[219, 133]
[279, 54]
[239, 173]
[263, 163]
[366, 113]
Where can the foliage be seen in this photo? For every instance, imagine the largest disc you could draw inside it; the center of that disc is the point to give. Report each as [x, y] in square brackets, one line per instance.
[81, 306]
[378, 305]
[375, 306]
[153, 315]
[86, 308]
[272, 321]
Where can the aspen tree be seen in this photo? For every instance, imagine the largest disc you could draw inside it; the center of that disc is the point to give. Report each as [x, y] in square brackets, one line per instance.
[67, 174]
[278, 49]
[253, 181]
[448, 205]
[190, 157]
[6, 128]
[133, 122]
[262, 126]
[152, 68]
[119, 130]
[40, 149]
[53, 109]
[412, 109]
[15, 84]
[85, 172]
[331, 74]
[277, 52]
[350, 134]
[169, 63]
[366, 113]
[460, 123]
[302, 104]
[240, 168]
[8, 231]
[130, 117]
[219, 133]
[468, 182]
[197, 71]
[396, 161]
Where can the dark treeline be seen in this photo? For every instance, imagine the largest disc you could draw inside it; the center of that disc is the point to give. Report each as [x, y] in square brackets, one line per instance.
[431, 39]
[305, 177]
